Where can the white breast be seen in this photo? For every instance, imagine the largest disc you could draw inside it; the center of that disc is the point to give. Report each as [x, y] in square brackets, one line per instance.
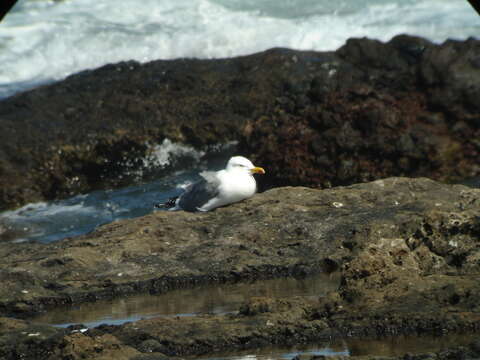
[235, 185]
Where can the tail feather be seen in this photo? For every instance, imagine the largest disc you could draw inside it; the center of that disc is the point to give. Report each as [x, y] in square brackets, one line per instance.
[170, 203]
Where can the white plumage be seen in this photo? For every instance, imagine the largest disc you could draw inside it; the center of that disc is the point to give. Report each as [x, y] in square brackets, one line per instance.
[220, 188]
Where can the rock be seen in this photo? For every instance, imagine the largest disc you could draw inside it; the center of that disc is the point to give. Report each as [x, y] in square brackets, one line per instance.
[23, 340]
[152, 356]
[367, 111]
[256, 306]
[8, 233]
[315, 357]
[150, 345]
[394, 116]
[3, 232]
[379, 235]
[261, 304]
[406, 249]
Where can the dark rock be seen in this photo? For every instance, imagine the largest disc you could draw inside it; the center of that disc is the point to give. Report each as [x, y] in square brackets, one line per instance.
[313, 357]
[453, 79]
[403, 115]
[369, 110]
[149, 346]
[257, 306]
[152, 356]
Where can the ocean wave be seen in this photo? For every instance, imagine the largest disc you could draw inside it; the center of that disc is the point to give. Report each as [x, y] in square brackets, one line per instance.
[44, 41]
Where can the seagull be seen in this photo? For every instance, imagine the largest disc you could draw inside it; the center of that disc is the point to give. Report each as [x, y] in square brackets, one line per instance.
[218, 188]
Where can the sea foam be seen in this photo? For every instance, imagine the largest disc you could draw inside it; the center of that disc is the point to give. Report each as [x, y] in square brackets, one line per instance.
[162, 155]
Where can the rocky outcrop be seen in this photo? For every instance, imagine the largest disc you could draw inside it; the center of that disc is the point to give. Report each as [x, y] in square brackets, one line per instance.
[372, 110]
[407, 251]
[377, 234]
[368, 110]
[21, 340]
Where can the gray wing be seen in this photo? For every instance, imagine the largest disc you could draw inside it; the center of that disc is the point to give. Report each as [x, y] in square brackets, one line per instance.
[199, 193]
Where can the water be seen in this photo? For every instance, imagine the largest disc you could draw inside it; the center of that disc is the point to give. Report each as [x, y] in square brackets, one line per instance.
[176, 165]
[51, 221]
[383, 347]
[45, 40]
[212, 299]
[226, 298]
[338, 348]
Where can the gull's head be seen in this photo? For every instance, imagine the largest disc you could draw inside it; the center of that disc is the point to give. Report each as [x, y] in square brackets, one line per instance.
[240, 163]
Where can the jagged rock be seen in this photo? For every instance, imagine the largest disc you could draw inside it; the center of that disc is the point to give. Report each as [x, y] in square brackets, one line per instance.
[403, 108]
[367, 111]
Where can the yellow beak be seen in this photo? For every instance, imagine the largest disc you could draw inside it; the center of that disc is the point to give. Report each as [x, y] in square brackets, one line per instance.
[257, 170]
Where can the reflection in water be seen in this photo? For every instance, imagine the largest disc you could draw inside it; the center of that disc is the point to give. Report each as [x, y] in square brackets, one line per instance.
[225, 298]
[391, 346]
[214, 299]
[400, 345]
[325, 349]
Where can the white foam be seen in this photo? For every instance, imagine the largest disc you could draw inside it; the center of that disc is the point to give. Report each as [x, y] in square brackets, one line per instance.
[38, 219]
[42, 209]
[48, 40]
[162, 155]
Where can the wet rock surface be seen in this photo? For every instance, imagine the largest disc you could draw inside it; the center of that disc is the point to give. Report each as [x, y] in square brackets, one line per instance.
[469, 351]
[407, 250]
[21, 340]
[367, 111]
